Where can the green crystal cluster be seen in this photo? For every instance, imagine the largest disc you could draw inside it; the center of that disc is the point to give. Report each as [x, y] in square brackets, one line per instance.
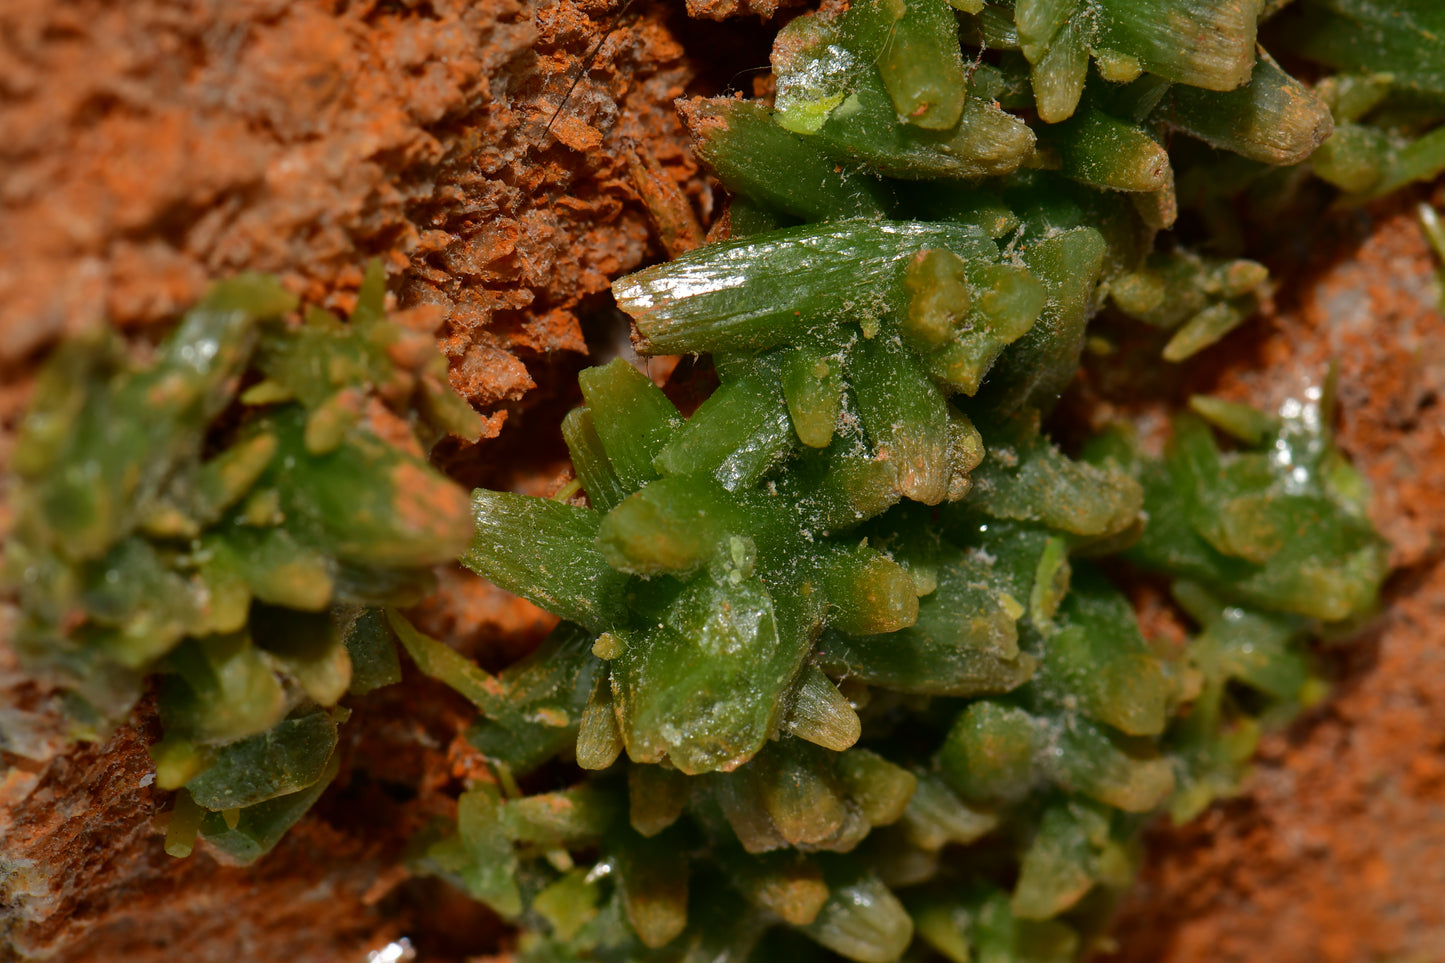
[1388, 95]
[842, 671]
[216, 516]
[846, 670]
[939, 722]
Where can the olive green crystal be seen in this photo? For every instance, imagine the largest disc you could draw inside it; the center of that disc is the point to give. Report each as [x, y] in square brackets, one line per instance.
[841, 673]
[172, 523]
[854, 663]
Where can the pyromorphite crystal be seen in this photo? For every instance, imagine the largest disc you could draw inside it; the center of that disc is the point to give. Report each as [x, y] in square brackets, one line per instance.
[845, 618]
[762, 291]
[168, 526]
[1057, 716]
[714, 646]
[839, 672]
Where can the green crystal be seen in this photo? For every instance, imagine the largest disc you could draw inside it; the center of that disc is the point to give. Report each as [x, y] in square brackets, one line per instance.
[856, 645]
[237, 576]
[836, 662]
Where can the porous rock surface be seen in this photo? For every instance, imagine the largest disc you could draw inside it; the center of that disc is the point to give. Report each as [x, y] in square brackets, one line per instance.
[149, 147]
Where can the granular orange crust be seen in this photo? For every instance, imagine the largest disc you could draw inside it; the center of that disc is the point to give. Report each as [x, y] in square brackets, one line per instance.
[149, 148]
